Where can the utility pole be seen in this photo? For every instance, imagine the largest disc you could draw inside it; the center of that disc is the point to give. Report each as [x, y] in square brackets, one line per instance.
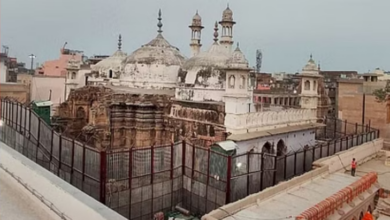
[32, 57]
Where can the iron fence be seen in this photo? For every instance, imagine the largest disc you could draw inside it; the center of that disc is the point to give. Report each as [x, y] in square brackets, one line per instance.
[140, 182]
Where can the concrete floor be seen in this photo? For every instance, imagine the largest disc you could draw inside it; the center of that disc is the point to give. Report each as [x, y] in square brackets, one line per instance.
[376, 165]
[16, 204]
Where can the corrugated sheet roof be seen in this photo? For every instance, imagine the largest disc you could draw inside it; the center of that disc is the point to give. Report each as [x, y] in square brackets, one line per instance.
[227, 145]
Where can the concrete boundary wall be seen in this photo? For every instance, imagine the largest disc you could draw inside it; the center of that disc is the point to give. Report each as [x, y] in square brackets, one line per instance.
[322, 167]
[342, 160]
[72, 202]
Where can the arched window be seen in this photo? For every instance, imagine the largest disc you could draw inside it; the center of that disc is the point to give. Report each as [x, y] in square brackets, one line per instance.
[314, 85]
[243, 82]
[80, 113]
[110, 74]
[232, 81]
[307, 85]
[267, 148]
[361, 216]
[281, 148]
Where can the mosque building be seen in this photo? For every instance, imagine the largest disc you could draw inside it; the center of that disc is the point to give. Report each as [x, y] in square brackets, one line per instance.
[156, 95]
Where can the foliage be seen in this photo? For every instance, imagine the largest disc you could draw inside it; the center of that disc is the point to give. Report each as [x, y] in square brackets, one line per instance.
[382, 95]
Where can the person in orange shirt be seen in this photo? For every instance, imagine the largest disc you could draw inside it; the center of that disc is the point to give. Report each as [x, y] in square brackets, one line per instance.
[367, 216]
[353, 167]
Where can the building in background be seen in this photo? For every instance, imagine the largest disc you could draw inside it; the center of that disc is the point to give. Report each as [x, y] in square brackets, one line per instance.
[58, 67]
[356, 103]
[15, 91]
[330, 81]
[3, 68]
[48, 88]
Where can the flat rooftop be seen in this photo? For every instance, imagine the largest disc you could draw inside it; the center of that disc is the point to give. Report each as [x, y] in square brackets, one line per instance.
[15, 202]
[296, 200]
[378, 165]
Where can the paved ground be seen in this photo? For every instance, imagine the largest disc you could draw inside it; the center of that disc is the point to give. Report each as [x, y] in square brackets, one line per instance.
[15, 204]
[377, 165]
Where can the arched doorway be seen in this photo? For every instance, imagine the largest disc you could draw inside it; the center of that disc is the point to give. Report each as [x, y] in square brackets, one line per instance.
[361, 216]
[267, 148]
[369, 209]
[281, 148]
[80, 113]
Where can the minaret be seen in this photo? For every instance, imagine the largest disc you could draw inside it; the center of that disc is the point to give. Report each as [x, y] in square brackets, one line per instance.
[196, 29]
[227, 24]
[309, 85]
[216, 33]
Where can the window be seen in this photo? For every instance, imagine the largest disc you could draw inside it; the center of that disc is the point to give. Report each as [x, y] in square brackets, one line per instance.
[73, 75]
[110, 74]
[307, 85]
[232, 81]
[314, 85]
[242, 83]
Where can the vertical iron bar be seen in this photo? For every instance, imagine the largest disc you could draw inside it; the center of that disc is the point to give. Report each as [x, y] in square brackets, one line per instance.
[208, 175]
[364, 108]
[334, 147]
[356, 128]
[103, 176]
[347, 143]
[38, 139]
[152, 175]
[59, 155]
[171, 174]
[29, 124]
[335, 128]
[345, 127]
[25, 121]
[321, 150]
[295, 163]
[193, 162]
[183, 162]
[83, 168]
[275, 169]
[285, 167]
[328, 149]
[17, 117]
[247, 172]
[228, 178]
[72, 163]
[51, 147]
[130, 178]
[304, 160]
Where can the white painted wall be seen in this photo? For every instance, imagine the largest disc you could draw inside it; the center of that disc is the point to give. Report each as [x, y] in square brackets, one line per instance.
[41, 86]
[260, 121]
[68, 199]
[294, 141]
[3, 72]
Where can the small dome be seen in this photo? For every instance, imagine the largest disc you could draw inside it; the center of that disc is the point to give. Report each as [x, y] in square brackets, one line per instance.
[311, 65]
[216, 56]
[157, 51]
[114, 63]
[196, 20]
[238, 60]
[227, 14]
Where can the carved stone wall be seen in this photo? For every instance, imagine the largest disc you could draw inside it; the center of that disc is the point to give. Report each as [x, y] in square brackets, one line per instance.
[103, 118]
[202, 123]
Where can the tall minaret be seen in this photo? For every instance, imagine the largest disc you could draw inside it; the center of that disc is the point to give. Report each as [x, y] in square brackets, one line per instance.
[227, 24]
[196, 29]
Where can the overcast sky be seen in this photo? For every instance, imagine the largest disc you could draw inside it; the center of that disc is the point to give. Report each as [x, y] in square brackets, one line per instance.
[341, 34]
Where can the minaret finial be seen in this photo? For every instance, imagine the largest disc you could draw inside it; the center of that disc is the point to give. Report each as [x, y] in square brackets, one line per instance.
[311, 56]
[216, 32]
[120, 42]
[159, 25]
[228, 5]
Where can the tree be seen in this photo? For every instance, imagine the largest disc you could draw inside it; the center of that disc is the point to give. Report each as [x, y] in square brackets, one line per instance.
[382, 95]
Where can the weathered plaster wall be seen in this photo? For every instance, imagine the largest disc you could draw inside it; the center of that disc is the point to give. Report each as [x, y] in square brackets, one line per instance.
[259, 121]
[294, 141]
[151, 76]
[193, 120]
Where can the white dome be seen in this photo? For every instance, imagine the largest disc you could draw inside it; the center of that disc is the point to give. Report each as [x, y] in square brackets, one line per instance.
[238, 60]
[227, 14]
[157, 51]
[114, 63]
[216, 56]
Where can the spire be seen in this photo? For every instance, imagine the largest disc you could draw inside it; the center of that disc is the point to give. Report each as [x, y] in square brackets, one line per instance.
[311, 56]
[216, 32]
[120, 42]
[159, 24]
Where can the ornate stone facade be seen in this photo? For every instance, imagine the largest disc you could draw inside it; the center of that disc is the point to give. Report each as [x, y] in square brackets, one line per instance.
[102, 117]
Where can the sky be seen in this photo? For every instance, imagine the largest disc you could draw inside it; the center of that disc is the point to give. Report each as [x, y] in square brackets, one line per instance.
[341, 34]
